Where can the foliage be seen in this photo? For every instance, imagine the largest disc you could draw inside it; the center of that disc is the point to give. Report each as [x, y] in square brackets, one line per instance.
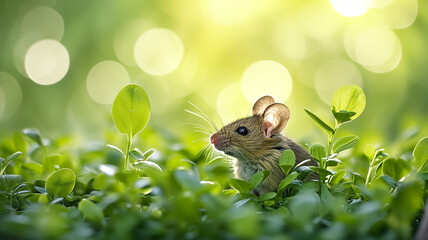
[51, 190]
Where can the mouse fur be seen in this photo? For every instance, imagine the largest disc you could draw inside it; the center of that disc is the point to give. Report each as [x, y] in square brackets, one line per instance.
[261, 146]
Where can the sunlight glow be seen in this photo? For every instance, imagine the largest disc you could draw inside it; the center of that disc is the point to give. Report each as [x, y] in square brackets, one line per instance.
[381, 3]
[10, 95]
[398, 14]
[378, 49]
[266, 77]
[46, 62]
[231, 104]
[105, 80]
[126, 37]
[351, 8]
[291, 41]
[42, 22]
[232, 12]
[335, 74]
[37, 24]
[159, 51]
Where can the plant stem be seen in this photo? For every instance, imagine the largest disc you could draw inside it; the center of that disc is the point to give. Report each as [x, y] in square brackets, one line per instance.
[128, 148]
[368, 175]
[370, 170]
[331, 138]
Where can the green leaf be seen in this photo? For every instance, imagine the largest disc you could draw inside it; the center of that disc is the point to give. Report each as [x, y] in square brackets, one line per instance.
[258, 178]
[343, 116]
[420, 154]
[90, 211]
[321, 171]
[8, 182]
[304, 171]
[187, 180]
[8, 160]
[389, 180]
[379, 157]
[60, 183]
[333, 162]
[395, 168]
[348, 103]
[326, 196]
[344, 143]
[137, 154]
[33, 167]
[320, 122]
[267, 196]
[126, 177]
[147, 154]
[358, 179]
[240, 185]
[337, 177]
[50, 162]
[131, 110]
[287, 161]
[147, 166]
[318, 152]
[287, 180]
[34, 134]
[301, 164]
[116, 149]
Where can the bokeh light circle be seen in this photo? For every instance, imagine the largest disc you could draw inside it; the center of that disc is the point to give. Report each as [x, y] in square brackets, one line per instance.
[351, 8]
[42, 22]
[232, 104]
[38, 23]
[158, 51]
[46, 62]
[10, 95]
[126, 37]
[105, 80]
[335, 74]
[266, 77]
[378, 48]
[291, 41]
[381, 3]
[398, 14]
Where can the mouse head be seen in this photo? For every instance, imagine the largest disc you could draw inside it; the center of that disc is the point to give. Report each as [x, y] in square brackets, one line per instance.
[245, 137]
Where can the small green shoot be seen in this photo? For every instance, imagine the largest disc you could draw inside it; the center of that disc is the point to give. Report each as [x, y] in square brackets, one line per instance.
[131, 112]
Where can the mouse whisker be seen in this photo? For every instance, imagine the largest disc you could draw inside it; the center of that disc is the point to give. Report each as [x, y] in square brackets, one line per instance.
[197, 126]
[202, 131]
[203, 139]
[206, 152]
[206, 120]
[203, 116]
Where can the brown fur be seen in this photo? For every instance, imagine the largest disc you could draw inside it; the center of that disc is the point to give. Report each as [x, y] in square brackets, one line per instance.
[256, 152]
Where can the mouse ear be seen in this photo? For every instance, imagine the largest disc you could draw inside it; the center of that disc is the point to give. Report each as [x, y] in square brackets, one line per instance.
[275, 119]
[261, 104]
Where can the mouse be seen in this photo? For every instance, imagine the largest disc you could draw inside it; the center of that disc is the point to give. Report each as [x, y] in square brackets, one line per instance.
[256, 143]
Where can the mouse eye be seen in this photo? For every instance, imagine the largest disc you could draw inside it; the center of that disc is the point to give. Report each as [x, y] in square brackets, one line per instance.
[242, 130]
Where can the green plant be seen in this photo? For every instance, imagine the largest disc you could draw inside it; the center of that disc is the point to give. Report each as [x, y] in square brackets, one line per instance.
[131, 112]
[87, 192]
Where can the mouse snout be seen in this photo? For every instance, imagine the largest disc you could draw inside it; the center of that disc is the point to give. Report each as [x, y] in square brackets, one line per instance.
[214, 139]
[219, 141]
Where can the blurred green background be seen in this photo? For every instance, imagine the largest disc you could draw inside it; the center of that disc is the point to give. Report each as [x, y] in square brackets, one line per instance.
[63, 62]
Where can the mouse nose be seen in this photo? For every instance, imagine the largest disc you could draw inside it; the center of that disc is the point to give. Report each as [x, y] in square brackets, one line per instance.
[213, 139]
